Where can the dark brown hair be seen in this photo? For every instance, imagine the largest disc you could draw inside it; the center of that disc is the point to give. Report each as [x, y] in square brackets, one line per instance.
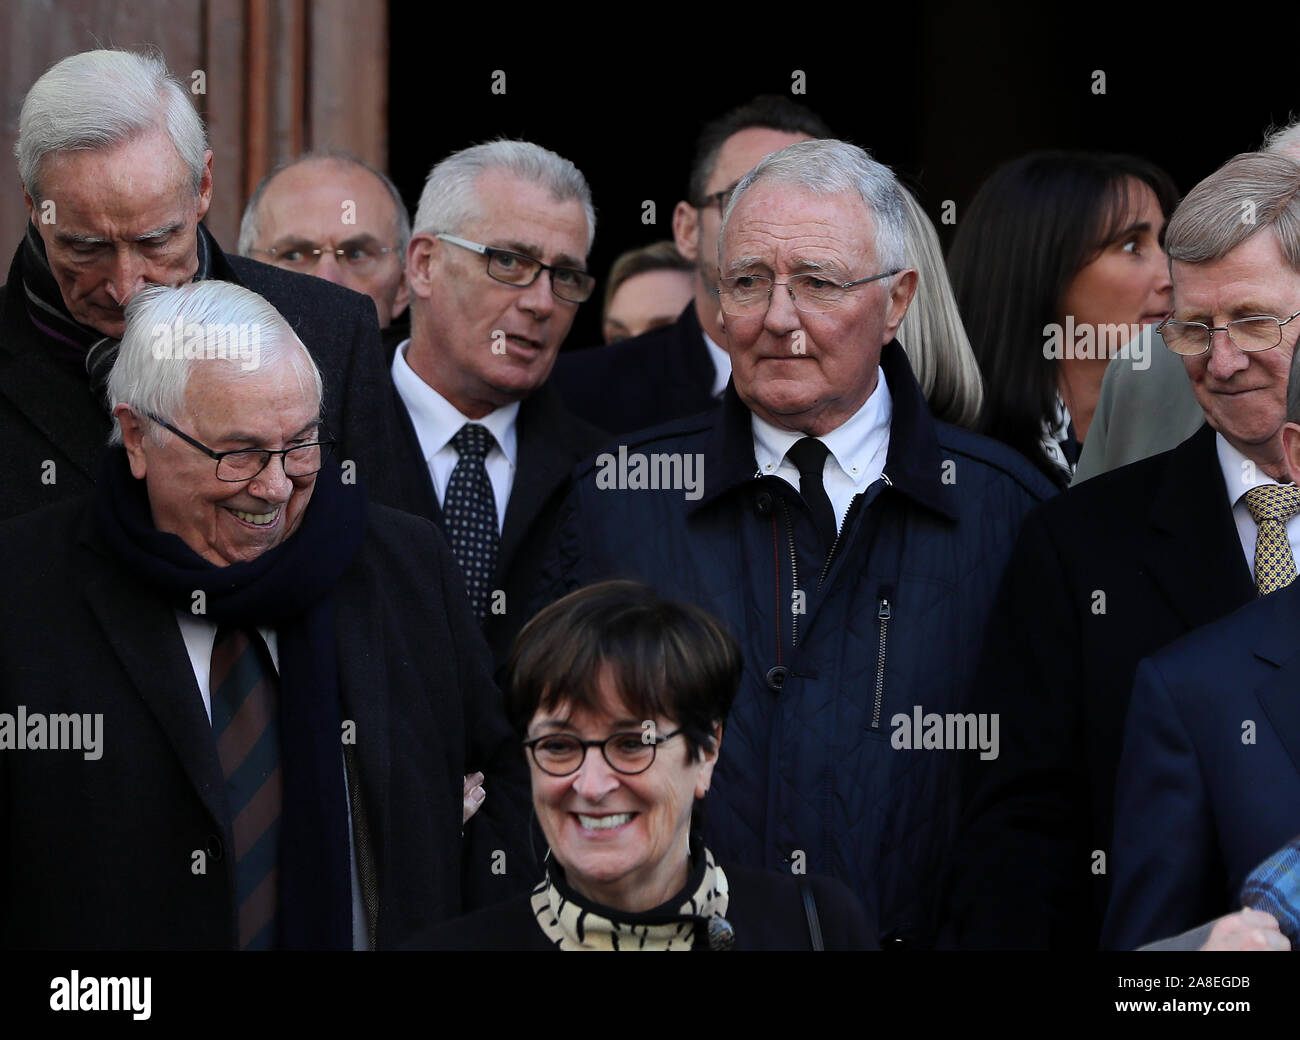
[665, 658]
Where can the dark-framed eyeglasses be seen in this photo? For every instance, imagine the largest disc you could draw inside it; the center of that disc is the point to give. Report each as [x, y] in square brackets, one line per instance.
[1255, 333]
[749, 294]
[360, 256]
[302, 460]
[629, 753]
[520, 271]
[720, 197]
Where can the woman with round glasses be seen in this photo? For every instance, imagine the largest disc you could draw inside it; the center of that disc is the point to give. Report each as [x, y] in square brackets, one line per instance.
[621, 698]
[1057, 265]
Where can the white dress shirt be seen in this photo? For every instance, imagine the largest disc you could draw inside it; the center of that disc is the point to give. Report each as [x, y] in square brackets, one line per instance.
[437, 421]
[858, 449]
[199, 636]
[721, 365]
[1240, 474]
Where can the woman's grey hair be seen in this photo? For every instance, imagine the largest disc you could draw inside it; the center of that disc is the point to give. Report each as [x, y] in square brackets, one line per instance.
[828, 167]
[1249, 192]
[101, 99]
[248, 230]
[932, 332]
[450, 199]
[170, 331]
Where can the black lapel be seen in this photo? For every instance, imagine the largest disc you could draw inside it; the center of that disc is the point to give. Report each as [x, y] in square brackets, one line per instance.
[55, 399]
[550, 445]
[143, 633]
[1192, 551]
[689, 364]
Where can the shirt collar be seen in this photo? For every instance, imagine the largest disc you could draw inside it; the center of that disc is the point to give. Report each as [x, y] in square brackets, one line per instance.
[858, 446]
[437, 420]
[1240, 474]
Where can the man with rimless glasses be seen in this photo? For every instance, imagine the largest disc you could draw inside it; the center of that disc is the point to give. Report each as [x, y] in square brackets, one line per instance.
[497, 268]
[852, 543]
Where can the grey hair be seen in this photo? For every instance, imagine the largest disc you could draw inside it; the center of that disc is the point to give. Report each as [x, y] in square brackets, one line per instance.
[101, 99]
[1249, 192]
[450, 200]
[152, 368]
[932, 332]
[1283, 140]
[828, 167]
[248, 229]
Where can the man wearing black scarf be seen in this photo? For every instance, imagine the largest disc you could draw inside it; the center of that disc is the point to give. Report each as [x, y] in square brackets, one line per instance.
[117, 177]
[301, 791]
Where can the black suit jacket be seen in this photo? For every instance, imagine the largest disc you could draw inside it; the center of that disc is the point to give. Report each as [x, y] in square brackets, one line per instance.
[1209, 783]
[52, 429]
[100, 854]
[637, 383]
[551, 443]
[1104, 575]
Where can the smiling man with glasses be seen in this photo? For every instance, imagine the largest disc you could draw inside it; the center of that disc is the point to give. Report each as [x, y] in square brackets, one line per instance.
[498, 269]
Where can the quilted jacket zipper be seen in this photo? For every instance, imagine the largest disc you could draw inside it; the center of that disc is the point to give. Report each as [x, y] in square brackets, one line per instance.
[882, 615]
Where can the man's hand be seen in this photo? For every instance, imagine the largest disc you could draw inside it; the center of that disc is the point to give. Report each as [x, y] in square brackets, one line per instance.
[1247, 930]
[474, 796]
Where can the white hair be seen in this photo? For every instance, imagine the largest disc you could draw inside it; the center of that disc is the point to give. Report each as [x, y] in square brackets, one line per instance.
[450, 197]
[101, 99]
[154, 364]
[827, 167]
[248, 229]
[1284, 141]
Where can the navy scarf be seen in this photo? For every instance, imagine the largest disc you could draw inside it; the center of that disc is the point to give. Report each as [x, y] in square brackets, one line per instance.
[288, 588]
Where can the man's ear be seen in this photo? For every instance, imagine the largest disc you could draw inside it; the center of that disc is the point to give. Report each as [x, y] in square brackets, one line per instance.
[1291, 450]
[421, 255]
[900, 297]
[686, 227]
[205, 185]
[134, 432]
[31, 206]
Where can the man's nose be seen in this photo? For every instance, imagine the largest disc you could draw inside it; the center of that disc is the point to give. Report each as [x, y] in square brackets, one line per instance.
[272, 484]
[126, 278]
[1226, 358]
[329, 267]
[537, 298]
[595, 779]
[782, 317]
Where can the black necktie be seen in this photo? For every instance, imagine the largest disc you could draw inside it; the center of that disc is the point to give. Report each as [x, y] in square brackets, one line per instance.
[470, 512]
[809, 454]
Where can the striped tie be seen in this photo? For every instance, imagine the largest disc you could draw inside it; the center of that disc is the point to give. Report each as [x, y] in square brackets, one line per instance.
[1272, 505]
[246, 724]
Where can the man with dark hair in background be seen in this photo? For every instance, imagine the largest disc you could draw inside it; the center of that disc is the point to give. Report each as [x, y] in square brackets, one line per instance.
[679, 370]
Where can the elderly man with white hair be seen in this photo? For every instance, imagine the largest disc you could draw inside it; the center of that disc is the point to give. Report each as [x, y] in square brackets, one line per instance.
[852, 542]
[240, 701]
[117, 177]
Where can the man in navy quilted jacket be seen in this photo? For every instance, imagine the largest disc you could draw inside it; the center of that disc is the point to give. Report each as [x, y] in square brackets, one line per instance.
[852, 542]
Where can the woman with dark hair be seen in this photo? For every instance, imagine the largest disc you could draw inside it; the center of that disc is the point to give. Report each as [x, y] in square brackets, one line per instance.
[1057, 264]
[621, 697]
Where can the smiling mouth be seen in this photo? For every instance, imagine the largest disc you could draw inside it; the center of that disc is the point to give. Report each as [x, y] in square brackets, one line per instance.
[604, 823]
[257, 519]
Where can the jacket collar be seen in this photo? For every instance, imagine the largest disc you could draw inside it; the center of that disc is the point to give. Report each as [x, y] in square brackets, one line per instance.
[914, 465]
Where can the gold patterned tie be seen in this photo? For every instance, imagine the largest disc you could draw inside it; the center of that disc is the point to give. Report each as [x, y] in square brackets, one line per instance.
[1272, 505]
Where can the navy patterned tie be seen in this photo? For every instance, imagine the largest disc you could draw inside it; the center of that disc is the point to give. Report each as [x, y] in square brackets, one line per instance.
[470, 512]
[246, 724]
